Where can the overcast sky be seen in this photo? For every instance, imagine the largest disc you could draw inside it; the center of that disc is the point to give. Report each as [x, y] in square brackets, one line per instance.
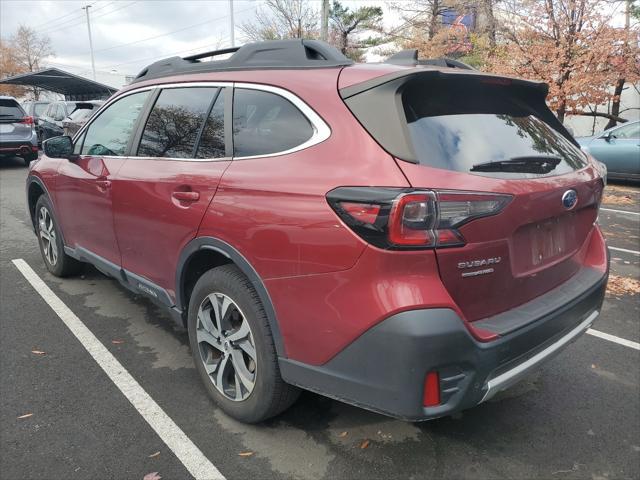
[179, 28]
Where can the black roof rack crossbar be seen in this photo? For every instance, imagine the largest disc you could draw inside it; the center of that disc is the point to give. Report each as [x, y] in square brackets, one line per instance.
[212, 53]
[410, 58]
[272, 54]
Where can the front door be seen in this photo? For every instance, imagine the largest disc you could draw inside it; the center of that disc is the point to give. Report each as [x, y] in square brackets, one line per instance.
[84, 188]
[167, 183]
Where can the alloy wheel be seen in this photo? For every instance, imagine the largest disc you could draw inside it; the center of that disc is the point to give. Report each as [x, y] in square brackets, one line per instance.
[226, 346]
[47, 231]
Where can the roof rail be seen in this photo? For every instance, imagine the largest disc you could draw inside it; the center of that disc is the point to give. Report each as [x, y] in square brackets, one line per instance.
[410, 58]
[271, 54]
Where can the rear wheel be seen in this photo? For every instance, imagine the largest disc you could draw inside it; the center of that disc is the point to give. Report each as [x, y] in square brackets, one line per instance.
[50, 240]
[233, 348]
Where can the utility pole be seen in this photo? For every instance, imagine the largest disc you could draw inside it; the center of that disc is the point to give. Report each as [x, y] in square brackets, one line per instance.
[324, 24]
[93, 65]
[232, 25]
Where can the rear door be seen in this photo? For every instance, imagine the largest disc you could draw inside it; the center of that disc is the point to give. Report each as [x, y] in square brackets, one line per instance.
[167, 183]
[473, 139]
[84, 186]
[14, 127]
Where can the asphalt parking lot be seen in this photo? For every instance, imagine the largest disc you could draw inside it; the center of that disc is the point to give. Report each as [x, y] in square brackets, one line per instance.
[62, 417]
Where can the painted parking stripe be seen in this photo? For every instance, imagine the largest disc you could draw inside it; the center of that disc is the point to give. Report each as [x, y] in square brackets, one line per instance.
[614, 339]
[618, 211]
[187, 452]
[635, 252]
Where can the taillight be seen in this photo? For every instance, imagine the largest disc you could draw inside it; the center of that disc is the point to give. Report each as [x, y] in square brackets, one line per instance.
[27, 121]
[395, 218]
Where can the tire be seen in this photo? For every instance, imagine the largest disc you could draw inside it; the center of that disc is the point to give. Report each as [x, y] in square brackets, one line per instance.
[249, 392]
[29, 158]
[57, 262]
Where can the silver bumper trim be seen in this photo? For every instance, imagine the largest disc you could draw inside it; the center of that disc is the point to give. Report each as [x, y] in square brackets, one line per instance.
[508, 378]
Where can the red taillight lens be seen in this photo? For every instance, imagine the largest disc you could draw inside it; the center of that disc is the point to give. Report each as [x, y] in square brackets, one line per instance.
[431, 396]
[27, 120]
[409, 219]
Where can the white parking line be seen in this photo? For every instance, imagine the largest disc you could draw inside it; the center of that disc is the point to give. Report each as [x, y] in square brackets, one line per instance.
[614, 339]
[617, 249]
[191, 457]
[619, 211]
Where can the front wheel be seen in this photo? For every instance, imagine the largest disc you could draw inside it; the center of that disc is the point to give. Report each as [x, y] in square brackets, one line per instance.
[50, 240]
[233, 348]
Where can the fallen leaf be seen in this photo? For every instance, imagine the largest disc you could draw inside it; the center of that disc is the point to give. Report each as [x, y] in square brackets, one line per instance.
[154, 455]
[26, 415]
[152, 476]
[117, 342]
[245, 454]
[364, 444]
[619, 286]
[343, 434]
[38, 352]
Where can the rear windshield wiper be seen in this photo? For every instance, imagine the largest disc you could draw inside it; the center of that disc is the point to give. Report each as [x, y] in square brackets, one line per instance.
[542, 164]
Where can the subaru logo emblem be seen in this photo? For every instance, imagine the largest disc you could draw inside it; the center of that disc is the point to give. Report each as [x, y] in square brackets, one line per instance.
[569, 199]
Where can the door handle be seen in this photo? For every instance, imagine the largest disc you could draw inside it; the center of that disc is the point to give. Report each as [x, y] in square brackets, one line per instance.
[103, 184]
[186, 196]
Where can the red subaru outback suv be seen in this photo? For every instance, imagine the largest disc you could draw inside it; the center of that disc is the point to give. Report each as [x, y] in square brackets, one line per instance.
[410, 237]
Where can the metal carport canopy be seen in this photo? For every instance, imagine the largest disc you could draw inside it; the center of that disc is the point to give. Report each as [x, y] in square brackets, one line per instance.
[73, 87]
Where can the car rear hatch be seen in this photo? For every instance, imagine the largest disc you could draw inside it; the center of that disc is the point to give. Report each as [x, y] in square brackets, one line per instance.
[515, 200]
[15, 125]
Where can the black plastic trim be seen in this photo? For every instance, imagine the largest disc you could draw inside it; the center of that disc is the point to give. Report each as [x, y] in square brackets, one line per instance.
[33, 179]
[211, 243]
[384, 369]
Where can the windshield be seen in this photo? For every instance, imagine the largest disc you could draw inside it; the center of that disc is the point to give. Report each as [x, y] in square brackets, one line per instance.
[39, 109]
[482, 129]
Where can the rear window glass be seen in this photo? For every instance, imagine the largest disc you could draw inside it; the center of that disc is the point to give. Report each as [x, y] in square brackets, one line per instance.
[40, 108]
[10, 109]
[483, 129]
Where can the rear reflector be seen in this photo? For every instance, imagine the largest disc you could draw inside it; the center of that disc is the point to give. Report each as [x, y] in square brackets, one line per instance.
[431, 396]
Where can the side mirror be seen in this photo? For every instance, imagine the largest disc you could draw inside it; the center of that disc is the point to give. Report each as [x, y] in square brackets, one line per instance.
[58, 147]
[607, 136]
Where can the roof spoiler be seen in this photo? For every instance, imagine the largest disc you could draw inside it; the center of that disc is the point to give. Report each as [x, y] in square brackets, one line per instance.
[410, 58]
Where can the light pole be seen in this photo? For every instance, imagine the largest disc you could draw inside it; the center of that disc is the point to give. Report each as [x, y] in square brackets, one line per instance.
[232, 26]
[324, 23]
[93, 65]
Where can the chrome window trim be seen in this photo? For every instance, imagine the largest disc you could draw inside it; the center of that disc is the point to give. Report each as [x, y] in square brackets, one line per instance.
[321, 130]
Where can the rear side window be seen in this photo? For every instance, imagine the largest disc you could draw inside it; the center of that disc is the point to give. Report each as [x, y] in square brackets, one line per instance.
[10, 109]
[109, 134]
[265, 123]
[175, 121]
[212, 143]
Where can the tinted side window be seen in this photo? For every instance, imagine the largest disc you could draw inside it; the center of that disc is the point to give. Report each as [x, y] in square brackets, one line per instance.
[109, 134]
[212, 139]
[265, 123]
[173, 124]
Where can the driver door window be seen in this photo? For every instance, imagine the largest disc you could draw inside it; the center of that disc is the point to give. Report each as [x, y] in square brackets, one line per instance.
[109, 134]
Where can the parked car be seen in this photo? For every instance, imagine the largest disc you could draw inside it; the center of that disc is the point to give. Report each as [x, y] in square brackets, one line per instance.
[618, 148]
[51, 121]
[17, 131]
[35, 109]
[79, 116]
[410, 237]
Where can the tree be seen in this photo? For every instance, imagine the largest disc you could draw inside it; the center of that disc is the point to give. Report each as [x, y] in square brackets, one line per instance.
[24, 53]
[8, 68]
[283, 19]
[569, 44]
[347, 23]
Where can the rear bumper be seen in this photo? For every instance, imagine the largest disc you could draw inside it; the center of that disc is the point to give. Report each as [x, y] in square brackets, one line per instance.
[20, 147]
[385, 368]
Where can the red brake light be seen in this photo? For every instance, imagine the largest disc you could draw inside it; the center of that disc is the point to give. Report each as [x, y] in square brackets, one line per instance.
[431, 396]
[409, 219]
[27, 120]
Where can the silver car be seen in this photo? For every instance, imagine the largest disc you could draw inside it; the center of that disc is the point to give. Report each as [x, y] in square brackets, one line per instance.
[17, 131]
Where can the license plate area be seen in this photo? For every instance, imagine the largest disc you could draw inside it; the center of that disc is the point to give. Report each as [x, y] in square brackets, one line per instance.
[6, 128]
[545, 242]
